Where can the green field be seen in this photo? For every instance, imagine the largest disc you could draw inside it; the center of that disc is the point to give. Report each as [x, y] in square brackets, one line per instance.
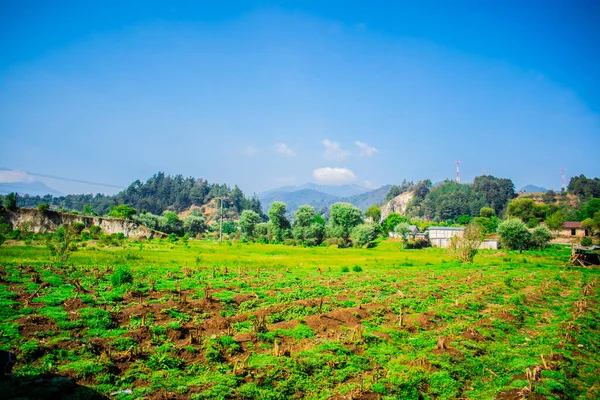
[207, 320]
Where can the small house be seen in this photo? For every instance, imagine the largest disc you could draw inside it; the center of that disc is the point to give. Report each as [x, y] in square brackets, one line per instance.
[439, 236]
[413, 233]
[574, 229]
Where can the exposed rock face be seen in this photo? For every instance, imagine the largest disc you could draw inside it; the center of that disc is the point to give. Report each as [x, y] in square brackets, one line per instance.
[397, 204]
[37, 222]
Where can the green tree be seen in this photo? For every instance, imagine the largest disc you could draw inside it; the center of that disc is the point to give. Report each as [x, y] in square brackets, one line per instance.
[364, 234]
[43, 208]
[514, 234]
[304, 216]
[281, 224]
[589, 209]
[309, 227]
[556, 220]
[343, 218]
[194, 225]
[248, 221]
[170, 223]
[540, 237]
[88, 210]
[61, 243]
[122, 211]
[487, 212]
[374, 212]
[264, 232]
[402, 229]
[549, 197]
[528, 211]
[10, 201]
[391, 221]
[496, 191]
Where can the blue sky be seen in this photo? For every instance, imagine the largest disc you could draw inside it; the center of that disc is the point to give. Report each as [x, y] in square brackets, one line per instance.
[264, 94]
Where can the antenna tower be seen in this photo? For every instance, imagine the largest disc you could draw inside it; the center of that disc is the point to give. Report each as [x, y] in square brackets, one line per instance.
[458, 172]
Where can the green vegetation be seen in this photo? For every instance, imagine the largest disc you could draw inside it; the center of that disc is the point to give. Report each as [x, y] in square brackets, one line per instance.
[201, 320]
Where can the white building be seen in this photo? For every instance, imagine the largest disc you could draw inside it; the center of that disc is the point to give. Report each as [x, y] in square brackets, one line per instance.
[439, 236]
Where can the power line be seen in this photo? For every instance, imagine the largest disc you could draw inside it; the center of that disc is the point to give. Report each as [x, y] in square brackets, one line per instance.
[64, 179]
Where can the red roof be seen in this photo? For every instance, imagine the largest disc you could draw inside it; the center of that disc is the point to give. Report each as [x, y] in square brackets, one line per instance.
[572, 225]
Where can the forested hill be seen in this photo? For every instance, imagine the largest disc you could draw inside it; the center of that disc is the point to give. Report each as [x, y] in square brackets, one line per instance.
[450, 200]
[159, 193]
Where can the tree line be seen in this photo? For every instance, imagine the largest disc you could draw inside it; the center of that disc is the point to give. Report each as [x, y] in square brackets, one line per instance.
[158, 194]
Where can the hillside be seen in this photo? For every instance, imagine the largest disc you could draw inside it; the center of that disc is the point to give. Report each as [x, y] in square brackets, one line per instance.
[159, 193]
[532, 189]
[397, 205]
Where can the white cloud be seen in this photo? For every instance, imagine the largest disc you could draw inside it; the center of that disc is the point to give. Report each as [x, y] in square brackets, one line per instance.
[251, 150]
[334, 176]
[283, 148]
[334, 151]
[14, 176]
[365, 149]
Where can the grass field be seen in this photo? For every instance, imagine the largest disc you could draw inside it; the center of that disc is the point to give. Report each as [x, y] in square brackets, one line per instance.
[207, 320]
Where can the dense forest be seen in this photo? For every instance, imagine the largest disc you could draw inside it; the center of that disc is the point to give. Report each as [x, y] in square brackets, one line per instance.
[450, 200]
[158, 194]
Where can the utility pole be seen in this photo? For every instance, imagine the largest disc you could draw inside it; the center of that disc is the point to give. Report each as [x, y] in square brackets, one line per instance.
[221, 224]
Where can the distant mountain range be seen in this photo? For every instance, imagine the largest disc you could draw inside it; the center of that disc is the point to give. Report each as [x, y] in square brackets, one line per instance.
[532, 189]
[334, 190]
[322, 196]
[34, 188]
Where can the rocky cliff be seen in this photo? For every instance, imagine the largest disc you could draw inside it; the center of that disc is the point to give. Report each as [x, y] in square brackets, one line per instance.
[38, 222]
[397, 204]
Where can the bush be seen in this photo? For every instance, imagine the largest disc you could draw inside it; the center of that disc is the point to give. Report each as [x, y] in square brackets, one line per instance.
[339, 242]
[43, 208]
[77, 228]
[586, 241]
[514, 235]
[416, 244]
[357, 268]
[95, 231]
[540, 237]
[465, 247]
[121, 276]
[363, 234]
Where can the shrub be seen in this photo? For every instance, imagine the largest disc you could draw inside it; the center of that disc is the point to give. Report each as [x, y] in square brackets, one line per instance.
[60, 245]
[357, 268]
[121, 276]
[465, 247]
[77, 228]
[540, 237]
[95, 231]
[43, 208]
[586, 241]
[363, 234]
[122, 211]
[416, 244]
[514, 235]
